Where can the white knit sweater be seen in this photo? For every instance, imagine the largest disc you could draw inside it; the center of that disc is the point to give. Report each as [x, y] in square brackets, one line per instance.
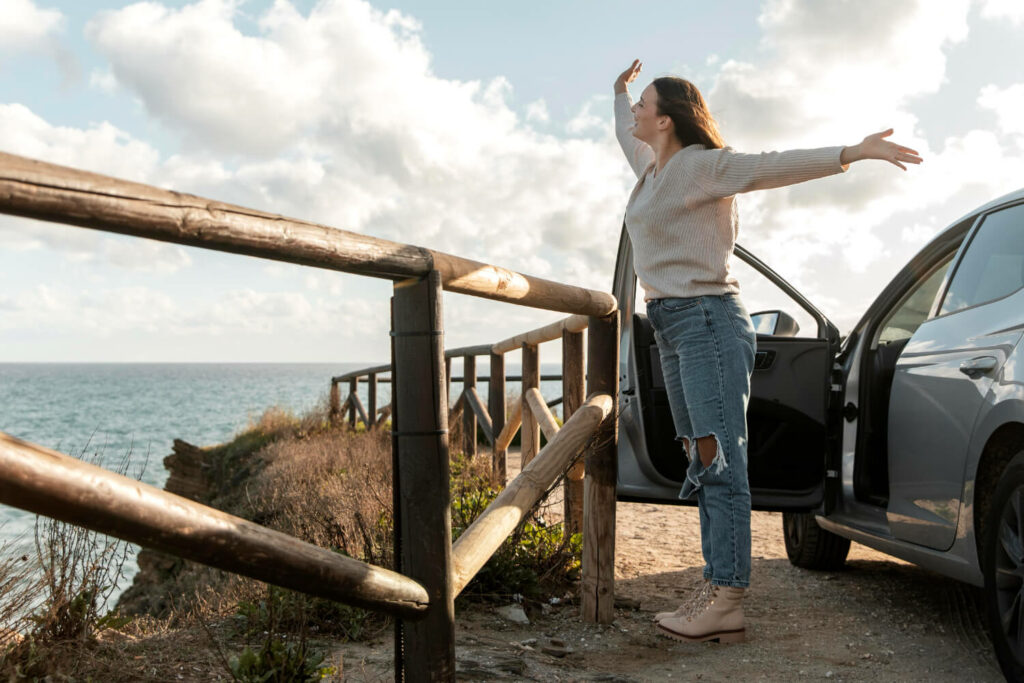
[682, 221]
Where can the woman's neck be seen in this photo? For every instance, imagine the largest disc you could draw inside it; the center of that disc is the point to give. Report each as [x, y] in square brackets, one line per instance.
[663, 151]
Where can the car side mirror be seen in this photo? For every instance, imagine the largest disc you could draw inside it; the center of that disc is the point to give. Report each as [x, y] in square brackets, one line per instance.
[775, 324]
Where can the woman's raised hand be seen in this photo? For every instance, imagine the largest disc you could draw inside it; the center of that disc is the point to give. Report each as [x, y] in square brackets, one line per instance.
[628, 76]
[877, 147]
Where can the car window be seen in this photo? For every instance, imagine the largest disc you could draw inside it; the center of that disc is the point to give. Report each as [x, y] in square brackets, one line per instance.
[758, 294]
[913, 309]
[993, 265]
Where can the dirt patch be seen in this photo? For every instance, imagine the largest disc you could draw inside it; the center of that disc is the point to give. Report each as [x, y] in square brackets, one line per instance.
[878, 619]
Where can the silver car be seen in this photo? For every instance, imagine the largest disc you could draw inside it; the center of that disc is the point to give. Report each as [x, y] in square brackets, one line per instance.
[906, 436]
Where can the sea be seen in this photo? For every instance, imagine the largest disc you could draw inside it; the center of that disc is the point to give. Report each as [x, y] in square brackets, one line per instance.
[127, 415]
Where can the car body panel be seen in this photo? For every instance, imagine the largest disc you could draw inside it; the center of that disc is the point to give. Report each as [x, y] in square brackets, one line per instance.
[934, 406]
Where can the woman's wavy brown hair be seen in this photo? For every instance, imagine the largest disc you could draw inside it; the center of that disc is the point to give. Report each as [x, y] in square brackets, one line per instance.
[680, 100]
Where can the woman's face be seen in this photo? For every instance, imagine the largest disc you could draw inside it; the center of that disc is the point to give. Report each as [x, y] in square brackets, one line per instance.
[646, 117]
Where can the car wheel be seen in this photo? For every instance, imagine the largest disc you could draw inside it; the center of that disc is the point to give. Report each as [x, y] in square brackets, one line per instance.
[1003, 566]
[811, 547]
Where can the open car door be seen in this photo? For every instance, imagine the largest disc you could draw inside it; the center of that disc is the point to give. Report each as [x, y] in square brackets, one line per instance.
[788, 415]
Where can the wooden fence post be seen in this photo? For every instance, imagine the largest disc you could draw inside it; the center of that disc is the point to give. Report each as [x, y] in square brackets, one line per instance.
[371, 396]
[496, 407]
[334, 412]
[353, 387]
[424, 649]
[468, 416]
[598, 585]
[529, 436]
[572, 399]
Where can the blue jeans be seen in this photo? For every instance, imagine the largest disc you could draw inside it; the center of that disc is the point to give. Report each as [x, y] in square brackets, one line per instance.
[707, 348]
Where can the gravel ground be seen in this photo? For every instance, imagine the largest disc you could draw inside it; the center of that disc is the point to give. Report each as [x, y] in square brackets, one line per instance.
[880, 619]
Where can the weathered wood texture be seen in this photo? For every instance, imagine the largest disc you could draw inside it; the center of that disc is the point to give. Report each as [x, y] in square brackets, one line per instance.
[574, 323]
[65, 195]
[508, 432]
[485, 535]
[371, 396]
[539, 410]
[334, 411]
[598, 584]
[496, 407]
[376, 369]
[423, 532]
[529, 437]
[49, 483]
[572, 398]
[360, 410]
[468, 416]
[474, 401]
[353, 396]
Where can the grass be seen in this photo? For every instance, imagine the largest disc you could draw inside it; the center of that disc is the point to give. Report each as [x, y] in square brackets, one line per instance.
[301, 475]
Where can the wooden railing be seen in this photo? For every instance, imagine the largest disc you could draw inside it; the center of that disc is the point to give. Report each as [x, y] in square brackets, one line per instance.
[498, 424]
[429, 572]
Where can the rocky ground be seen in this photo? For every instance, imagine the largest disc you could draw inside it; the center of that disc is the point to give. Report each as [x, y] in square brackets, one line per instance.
[880, 619]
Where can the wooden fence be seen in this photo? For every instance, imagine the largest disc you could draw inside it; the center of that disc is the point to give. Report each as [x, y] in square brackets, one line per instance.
[429, 571]
[498, 424]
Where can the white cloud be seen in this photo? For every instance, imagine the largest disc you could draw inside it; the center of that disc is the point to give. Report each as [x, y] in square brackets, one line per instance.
[336, 116]
[1008, 105]
[1013, 10]
[25, 25]
[537, 111]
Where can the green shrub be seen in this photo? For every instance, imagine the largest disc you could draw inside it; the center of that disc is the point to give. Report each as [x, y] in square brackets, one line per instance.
[279, 662]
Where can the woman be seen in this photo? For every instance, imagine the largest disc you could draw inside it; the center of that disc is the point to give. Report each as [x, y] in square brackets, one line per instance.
[682, 222]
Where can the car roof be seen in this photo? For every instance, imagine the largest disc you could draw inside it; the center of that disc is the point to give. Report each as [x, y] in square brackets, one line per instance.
[1016, 195]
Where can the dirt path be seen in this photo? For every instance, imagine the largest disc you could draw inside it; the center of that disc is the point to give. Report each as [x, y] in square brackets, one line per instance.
[879, 619]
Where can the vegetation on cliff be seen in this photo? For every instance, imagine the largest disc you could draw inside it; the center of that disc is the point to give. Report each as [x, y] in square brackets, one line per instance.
[320, 482]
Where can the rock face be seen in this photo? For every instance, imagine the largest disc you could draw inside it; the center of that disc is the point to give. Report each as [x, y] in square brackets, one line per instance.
[189, 469]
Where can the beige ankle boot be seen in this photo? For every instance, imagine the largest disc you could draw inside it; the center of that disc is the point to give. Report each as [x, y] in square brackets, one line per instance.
[694, 604]
[721, 619]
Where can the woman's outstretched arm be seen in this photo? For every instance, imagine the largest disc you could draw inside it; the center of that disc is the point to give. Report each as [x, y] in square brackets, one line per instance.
[638, 153]
[877, 147]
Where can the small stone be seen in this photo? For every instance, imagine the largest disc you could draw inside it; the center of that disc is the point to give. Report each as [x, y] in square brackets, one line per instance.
[513, 613]
[528, 642]
[828, 674]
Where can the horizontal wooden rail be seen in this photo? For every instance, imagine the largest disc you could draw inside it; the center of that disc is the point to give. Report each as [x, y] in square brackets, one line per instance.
[461, 352]
[485, 535]
[60, 194]
[49, 483]
[574, 323]
[355, 374]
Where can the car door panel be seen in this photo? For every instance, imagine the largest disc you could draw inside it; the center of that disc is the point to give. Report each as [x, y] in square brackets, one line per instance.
[786, 418]
[933, 406]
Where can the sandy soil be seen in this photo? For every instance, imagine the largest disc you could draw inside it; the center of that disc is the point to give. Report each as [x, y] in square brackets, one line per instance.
[880, 619]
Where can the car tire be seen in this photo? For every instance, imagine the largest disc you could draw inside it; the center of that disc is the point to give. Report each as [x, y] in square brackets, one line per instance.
[1002, 563]
[809, 546]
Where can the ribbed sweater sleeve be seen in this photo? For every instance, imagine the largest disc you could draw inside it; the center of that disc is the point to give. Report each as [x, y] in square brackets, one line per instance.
[725, 172]
[639, 154]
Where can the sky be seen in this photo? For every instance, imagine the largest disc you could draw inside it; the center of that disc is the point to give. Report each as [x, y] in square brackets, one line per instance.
[481, 129]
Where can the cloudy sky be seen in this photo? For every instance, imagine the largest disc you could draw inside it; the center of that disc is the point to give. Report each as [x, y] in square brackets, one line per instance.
[482, 129]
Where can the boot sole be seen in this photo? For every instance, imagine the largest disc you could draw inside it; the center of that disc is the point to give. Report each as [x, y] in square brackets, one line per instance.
[737, 636]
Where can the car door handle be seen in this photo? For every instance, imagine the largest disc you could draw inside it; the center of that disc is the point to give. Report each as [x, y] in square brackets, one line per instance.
[976, 367]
